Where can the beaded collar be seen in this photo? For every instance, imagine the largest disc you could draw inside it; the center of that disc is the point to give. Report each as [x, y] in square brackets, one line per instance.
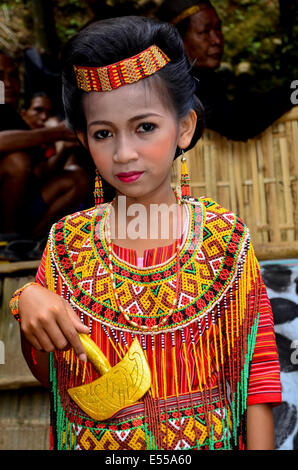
[209, 258]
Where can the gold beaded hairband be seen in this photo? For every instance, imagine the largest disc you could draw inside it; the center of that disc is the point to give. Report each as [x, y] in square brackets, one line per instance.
[121, 73]
[185, 14]
[190, 11]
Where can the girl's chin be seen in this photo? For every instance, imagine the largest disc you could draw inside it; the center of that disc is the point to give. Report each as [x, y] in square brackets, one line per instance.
[136, 194]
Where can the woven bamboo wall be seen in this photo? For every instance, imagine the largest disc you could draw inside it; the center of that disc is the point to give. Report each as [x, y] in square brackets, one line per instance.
[257, 179]
[24, 405]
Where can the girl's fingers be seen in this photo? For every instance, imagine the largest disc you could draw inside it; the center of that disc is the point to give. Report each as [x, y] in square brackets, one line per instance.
[54, 324]
[57, 337]
[70, 327]
[79, 326]
[43, 341]
[35, 343]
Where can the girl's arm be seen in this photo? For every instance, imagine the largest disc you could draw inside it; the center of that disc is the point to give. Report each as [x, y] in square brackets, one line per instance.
[40, 365]
[48, 323]
[260, 427]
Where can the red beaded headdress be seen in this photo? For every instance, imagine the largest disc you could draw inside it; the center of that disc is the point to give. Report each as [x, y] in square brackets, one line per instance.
[121, 73]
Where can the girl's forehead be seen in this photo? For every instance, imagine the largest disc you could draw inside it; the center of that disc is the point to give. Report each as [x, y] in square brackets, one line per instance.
[141, 96]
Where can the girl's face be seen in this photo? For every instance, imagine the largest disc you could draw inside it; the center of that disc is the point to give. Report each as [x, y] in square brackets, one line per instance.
[132, 137]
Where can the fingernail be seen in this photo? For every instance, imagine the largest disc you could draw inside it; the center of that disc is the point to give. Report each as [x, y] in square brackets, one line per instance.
[83, 357]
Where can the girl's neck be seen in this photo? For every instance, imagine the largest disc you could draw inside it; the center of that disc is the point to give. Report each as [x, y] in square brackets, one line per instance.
[148, 222]
[166, 196]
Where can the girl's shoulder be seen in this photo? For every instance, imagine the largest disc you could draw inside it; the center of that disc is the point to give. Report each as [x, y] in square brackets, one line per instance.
[213, 210]
[79, 224]
[88, 213]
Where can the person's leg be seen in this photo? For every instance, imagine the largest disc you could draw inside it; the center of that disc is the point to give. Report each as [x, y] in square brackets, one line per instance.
[14, 174]
[62, 195]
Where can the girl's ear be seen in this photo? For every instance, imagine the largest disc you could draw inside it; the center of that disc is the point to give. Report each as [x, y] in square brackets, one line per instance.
[83, 139]
[187, 129]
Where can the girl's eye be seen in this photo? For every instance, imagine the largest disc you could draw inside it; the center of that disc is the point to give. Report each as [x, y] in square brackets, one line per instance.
[146, 127]
[98, 135]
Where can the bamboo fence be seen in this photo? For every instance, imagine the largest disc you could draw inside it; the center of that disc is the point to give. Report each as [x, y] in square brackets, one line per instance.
[257, 179]
[24, 404]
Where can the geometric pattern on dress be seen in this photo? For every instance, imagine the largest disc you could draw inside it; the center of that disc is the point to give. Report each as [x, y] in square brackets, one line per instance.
[208, 258]
[175, 434]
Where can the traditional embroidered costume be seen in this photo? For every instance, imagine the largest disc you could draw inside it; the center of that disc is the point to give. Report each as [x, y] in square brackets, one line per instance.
[209, 360]
[192, 320]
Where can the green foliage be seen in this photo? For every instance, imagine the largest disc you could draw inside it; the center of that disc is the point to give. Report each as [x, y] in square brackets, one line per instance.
[70, 16]
[253, 34]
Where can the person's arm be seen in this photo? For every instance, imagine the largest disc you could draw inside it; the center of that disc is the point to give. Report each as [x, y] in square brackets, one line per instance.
[48, 323]
[260, 427]
[40, 365]
[14, 140]
[57, 161]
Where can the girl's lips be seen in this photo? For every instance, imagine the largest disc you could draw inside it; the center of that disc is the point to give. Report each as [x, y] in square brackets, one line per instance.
[130, 176]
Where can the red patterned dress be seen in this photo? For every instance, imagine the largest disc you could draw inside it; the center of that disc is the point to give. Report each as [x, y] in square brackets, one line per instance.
[213, 357]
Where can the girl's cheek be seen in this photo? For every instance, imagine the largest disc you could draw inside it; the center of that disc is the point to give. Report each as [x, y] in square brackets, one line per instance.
[163, 148]
[96, 153]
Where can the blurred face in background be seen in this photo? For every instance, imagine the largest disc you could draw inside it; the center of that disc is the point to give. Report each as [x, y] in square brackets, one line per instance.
[204, 42]
[38, 113]
[9, 75]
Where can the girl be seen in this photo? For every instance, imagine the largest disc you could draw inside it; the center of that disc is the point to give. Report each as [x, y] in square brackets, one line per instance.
[183, 354]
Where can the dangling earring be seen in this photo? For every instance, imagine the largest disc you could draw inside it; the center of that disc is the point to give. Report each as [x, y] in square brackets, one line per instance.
[98, 189]
[184, 179]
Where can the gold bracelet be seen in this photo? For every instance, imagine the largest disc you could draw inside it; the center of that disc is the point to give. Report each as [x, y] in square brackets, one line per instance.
[14, 301]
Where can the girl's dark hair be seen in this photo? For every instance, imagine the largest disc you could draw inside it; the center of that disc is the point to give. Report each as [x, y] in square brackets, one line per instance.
[107, 41]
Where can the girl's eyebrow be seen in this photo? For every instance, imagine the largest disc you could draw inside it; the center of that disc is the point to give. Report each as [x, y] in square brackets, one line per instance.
[134, 118]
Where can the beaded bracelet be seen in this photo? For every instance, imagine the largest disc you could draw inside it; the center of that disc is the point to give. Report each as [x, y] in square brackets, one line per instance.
[14, 301]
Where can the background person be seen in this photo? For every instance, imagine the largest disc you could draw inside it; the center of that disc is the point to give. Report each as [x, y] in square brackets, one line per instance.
[248, 113]
[34, 188]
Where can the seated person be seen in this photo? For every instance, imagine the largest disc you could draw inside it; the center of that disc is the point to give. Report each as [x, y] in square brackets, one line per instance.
[247, 114]
[37, 186]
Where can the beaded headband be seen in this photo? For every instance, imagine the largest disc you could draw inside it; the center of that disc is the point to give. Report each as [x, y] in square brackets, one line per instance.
[186, 13]
[121, 73]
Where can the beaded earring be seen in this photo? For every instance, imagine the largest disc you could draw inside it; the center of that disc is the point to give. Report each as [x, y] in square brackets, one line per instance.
[98, 189]
[184, 179]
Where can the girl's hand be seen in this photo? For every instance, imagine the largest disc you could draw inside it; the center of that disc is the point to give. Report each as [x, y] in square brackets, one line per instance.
[48, 322]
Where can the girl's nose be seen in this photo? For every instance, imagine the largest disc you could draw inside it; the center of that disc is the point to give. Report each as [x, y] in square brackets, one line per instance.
[125, 150]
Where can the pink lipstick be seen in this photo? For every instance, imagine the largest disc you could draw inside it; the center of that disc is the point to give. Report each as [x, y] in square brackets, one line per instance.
[130, 176]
